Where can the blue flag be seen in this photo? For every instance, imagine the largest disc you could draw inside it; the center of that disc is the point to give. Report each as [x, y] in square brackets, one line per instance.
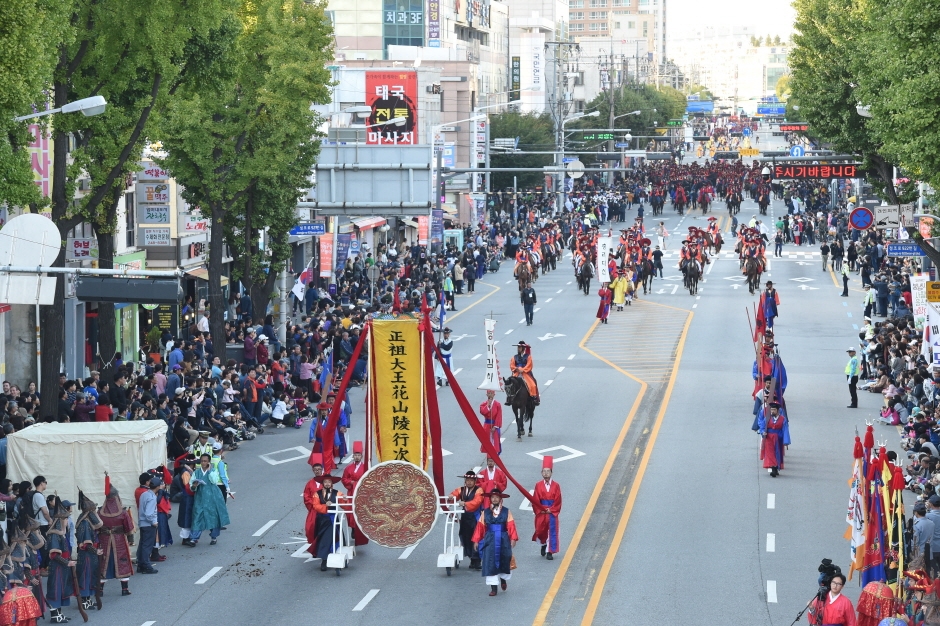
[327, 370]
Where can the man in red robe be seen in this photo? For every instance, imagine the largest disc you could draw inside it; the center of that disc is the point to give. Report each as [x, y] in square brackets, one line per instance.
[835, 608]
[115, 559]
[548, 492]
[492, 477]
[773, 440]
[310, 497]
[492, 412]
[351, 475]
[603, 309]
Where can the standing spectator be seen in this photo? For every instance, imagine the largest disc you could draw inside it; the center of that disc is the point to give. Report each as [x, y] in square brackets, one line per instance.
[251, 352]
[40, 512]
[147, 517]
[824, 252]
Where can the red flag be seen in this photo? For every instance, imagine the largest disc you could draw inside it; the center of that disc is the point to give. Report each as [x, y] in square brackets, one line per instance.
[107, 485]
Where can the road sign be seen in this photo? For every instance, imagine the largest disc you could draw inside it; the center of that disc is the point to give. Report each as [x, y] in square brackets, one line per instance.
[447, 129]
[570, 159]
[674, 123]
[887, 216]
[353, 245]
[907, 214]
[861, 218]
[904, 249]
[933, 291]
[746, 132]
[621, 145]
[797, 151]
[312, 228]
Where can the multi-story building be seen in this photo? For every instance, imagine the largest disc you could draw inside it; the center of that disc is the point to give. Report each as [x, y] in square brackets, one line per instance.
[727, 61]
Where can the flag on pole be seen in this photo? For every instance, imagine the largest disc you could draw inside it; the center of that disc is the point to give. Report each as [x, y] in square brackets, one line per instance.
[442, 313]
[300, 285]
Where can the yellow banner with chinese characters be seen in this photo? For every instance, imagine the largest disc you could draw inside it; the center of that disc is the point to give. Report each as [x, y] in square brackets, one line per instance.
[396, 391]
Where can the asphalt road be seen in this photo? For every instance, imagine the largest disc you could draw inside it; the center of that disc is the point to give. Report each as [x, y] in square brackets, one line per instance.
[667, 513]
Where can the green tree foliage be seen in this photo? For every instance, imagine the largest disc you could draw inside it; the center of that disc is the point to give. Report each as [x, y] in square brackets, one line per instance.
[30, 33]
[536, 134]
[782, 88]
[135, 56]
[244, 148]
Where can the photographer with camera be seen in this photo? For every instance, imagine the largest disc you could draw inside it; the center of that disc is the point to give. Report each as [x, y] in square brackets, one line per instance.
[830, 607]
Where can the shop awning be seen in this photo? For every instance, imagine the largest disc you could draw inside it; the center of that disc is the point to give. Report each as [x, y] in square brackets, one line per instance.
[203, 274]
[367, 223]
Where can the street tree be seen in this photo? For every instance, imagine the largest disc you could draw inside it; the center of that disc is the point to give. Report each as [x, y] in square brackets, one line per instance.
[244, 149]
[30, 35]
[135, 57]
[535, 133]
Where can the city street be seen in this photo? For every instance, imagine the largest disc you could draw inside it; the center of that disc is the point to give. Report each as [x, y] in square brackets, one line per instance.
[648, 419]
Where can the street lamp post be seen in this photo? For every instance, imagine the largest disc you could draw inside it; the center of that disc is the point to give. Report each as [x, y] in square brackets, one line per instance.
[437, 158]
[610, 142]
[95, 105]
[562, 193]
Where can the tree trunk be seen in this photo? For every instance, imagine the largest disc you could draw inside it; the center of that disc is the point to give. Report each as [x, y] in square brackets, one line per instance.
[107, 341]
[216, 301]
[52, 317]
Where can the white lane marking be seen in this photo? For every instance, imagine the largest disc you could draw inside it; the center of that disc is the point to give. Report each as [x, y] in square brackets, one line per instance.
[476, 357]
[698, 297]
[694, 306]
[299, 453]
[549, 300]
[568, 283]
[560, 369]
[148, 624]
[772, 591]
[771, 501]
[522, 321]
[771, 542]
[508, 282]
[404, 555]
[509, 331]
[711, 265]
[674, 288]
[372, 593]
[537, 309]
[301, 553]
[560, 290]
[458, 370]
[212, 572]
[549, 383]
[264, 528]
[570, 357]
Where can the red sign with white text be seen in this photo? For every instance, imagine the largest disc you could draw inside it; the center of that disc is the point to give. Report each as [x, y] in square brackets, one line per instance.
[392, 95]
[326, 255]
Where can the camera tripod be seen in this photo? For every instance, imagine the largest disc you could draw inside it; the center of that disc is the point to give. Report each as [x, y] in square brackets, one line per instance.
[820, 595]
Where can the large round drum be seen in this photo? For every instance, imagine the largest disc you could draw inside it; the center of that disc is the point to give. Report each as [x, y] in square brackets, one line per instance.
[395, 504]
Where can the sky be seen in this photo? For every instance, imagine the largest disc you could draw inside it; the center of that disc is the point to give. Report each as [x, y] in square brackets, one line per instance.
[774, 17]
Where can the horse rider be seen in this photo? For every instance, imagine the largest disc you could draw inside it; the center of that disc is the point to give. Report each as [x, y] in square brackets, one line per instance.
[521, 365]
[522, 257]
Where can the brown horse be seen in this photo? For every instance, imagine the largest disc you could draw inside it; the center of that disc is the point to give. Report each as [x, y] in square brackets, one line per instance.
[753, 268]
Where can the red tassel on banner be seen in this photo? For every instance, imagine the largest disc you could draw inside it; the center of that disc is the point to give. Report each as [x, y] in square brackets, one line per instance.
[857, 452]
[477, 428]
[434, 413]
[329, 431]
[396, 302]
[869, 438]
[107, 485]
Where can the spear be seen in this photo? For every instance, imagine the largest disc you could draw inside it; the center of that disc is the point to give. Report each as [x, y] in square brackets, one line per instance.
[78, 595]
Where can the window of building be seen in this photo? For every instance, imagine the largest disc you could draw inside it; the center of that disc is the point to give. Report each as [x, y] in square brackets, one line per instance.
[579, 106]
[598, 3]
[631, 25]
[646, 28]
[597, 15]
[576, 4]
[577, 15]
[599, 26]
[577, 28]
[130, 219]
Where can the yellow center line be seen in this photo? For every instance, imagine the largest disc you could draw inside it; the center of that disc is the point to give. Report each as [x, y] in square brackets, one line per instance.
[467, 308]
[592, 502]
[601, 581]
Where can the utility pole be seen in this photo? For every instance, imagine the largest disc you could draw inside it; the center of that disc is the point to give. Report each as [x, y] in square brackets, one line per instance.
[562, 50]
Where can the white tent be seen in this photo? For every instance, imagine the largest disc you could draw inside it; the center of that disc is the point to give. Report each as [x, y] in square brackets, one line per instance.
[77, 455]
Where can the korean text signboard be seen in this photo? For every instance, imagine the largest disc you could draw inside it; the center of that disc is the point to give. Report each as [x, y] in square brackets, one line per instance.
[40, 158]
[156, 236]
[326, 255]
[516, 77]
[153, 213]
[397, 391]
[153, 193]
[81, 249]
[392, 95]
[794, 128]
[152, 173]
[919, 302]
[813, 172]
[434, 23]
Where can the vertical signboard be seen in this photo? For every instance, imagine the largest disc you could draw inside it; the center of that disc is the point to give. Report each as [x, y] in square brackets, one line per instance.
[342, 250]
[403, 23]
[326, 255]
[437, 226]
[479, 127]
[392, 95]
[537, 68]
[604, 248]
[919, 302]
[516, 78]
[434, 23]
[40, 157]
[422, 230]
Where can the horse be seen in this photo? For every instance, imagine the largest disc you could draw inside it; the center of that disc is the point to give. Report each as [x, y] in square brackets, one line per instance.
[762, 202]
[645, 274]
[548, 258]
[523, 405]
[693, 272]
[733, 203]
[585, 273]
[703, 201]
[714, 242]
[523, 274]
[657, 202]
[753, 270]
[679, 204]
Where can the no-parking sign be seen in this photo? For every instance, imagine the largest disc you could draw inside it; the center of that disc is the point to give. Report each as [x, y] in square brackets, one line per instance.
[861, 218]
